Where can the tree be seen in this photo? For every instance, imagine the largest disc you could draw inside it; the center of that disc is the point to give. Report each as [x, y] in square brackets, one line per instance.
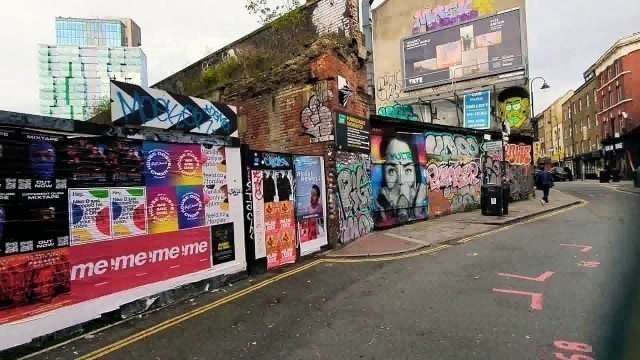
[268, 11]
[101, 106]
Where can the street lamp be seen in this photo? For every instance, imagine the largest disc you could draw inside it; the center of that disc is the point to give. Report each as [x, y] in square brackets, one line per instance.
[533, 113]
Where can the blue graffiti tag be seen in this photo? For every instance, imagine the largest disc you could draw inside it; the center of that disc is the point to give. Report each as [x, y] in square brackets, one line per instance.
[274, 160]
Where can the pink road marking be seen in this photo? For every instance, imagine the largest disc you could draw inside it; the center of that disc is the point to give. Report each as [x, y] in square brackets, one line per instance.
[542, 278]
[536, 298]
[585, 249]
[590, 264]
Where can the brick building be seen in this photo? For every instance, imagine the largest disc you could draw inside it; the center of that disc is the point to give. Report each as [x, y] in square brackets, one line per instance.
[617, 74]
[581, 131]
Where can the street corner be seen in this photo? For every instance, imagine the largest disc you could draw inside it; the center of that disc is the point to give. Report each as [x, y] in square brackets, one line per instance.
[378, 244]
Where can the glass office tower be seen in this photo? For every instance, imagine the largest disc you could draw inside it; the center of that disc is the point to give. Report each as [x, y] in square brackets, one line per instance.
[74, 75]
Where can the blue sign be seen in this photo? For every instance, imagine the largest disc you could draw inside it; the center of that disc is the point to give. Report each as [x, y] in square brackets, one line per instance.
[477, 110]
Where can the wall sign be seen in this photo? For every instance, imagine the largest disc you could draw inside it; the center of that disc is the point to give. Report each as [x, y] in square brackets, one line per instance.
[477, 110]
[352, 133]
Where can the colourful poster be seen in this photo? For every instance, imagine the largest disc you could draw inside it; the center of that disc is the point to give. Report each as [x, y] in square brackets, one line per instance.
[158, 164]
[216, 191]
[271, 230]
[258, 214]
[128, 211]
[162, 209]
[90, 215]
[222, 243]
[33, 283]
[187, 158]
[310, 204]
[287, 247]
[190, 207]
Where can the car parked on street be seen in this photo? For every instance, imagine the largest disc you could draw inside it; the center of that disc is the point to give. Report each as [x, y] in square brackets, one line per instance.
[561, 174]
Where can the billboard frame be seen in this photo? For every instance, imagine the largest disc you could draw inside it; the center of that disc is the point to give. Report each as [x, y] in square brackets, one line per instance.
[523, 54]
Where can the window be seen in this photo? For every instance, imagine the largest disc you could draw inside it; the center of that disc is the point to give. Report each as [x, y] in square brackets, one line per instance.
[611, 102]
[619, 91]
[598, 141]
[589, 145]
[617, 67]
[587, 97]
[609, 73]
[604, 103]
[588, 122]
[574, 108]
[580, 105]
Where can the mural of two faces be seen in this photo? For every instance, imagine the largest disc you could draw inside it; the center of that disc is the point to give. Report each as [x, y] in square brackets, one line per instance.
[86, 217]
[283, 203]
[416, 176]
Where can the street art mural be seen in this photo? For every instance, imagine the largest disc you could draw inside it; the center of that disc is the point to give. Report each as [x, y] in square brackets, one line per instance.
[317, 120]
[353, 195]
[345, 92]
[457, 12]
[514, 107]
[397, 111]
[519, 170]
[399, 184]
[454, 173]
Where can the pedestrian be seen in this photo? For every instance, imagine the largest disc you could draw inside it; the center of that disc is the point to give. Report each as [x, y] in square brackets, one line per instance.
[544, 181]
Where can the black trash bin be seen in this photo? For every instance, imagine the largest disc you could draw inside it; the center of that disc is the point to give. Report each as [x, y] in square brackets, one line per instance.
[491, 200]
[604, 176]
[506, 196]
[636, 179]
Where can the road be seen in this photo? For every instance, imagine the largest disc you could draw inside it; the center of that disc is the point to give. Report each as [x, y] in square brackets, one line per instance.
[528, 292]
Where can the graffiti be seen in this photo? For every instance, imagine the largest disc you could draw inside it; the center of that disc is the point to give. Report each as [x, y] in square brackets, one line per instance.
[345, 92]
[135, 105]
[442, 16]
[492, 169]
[257, 184]
[321, 90]
[354, 196]
[274, 160]
[514, 107]
[452, 200]
[397, 111]
[317, 120]
[518, 154]
[248, 204]
[521, 178]
[443, 144]
[444, 176]
[331, 24]
[389, 87]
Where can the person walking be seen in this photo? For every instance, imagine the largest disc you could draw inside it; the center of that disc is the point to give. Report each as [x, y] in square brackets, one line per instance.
[544, 181]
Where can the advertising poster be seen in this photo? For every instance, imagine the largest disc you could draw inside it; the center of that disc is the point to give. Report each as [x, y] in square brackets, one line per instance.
[222, 243]
[125, 161]
[162, 209]
[216, 192]
[158, 164]
[271, 224]
[287, 246]
[258, 214]
[190, 207]
[352, 133]
[187, 158]
[128, 211]
[90, 215]
[477, 110]
[482, 47]
[123, 264]
[398, 178]
[310, 203]
[33, 283]
[33, 193]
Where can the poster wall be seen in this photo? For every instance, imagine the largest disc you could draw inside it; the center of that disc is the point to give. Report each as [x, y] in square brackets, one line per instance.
[310, 203]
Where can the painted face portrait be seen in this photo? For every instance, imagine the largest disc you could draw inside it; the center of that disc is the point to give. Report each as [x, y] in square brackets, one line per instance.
[400, 173]
[42, 158]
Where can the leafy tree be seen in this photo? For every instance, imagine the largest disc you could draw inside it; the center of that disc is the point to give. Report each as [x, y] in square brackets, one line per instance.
[269, 10]
[104, 104]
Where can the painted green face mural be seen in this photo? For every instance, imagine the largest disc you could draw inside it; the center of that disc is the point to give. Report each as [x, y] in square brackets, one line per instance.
[515, 110]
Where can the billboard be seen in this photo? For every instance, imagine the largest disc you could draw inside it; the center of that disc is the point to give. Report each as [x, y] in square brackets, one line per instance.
[487, 46]
[477, 110]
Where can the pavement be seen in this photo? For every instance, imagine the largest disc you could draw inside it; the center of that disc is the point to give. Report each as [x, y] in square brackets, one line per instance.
[550, 287]
[448, 228]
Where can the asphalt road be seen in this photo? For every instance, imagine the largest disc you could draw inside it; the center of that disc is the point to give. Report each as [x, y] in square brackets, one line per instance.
[451, 304]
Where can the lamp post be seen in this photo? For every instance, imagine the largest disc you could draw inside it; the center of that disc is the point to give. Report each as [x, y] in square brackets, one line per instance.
[533, 113]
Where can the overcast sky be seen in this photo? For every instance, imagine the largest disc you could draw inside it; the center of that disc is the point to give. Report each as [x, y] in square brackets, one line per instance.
[565, 37]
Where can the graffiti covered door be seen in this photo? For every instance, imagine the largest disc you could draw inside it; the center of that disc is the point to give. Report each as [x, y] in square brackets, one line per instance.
[353, 195]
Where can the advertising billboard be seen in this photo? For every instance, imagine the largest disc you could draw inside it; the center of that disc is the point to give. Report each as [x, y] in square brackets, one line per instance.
[487, 46]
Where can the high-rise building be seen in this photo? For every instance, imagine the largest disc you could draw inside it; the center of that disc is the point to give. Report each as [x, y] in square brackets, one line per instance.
[75, 73]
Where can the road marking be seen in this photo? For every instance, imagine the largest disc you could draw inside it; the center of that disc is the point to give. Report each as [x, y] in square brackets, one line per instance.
[536, 298]
[406, 238]
[590, 264]
[178, 319]
[542, 278]
[585, 249]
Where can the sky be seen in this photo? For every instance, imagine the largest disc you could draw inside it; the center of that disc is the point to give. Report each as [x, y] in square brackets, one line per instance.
[565, 37]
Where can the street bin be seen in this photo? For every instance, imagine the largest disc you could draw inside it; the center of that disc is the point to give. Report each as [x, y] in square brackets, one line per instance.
[491, 200]
[506, 196]
[636, 179]
[604, 176]
[615, 177]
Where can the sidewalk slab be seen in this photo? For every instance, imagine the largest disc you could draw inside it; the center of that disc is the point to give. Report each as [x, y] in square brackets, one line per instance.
[629, 188]
[448, 228]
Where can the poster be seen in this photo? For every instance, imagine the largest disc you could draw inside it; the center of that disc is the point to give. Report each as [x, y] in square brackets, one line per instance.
[162, 209]
[128, 211]
[90, 215]
[190, 207]
[33, 193]
[216, 191]
[172, 164]
[29, 281]
[352, 133]
[258, 206]
[271, 230]
[287, 247]
[477, 110]
[310, 203]
[222, 243]
[123, 264]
